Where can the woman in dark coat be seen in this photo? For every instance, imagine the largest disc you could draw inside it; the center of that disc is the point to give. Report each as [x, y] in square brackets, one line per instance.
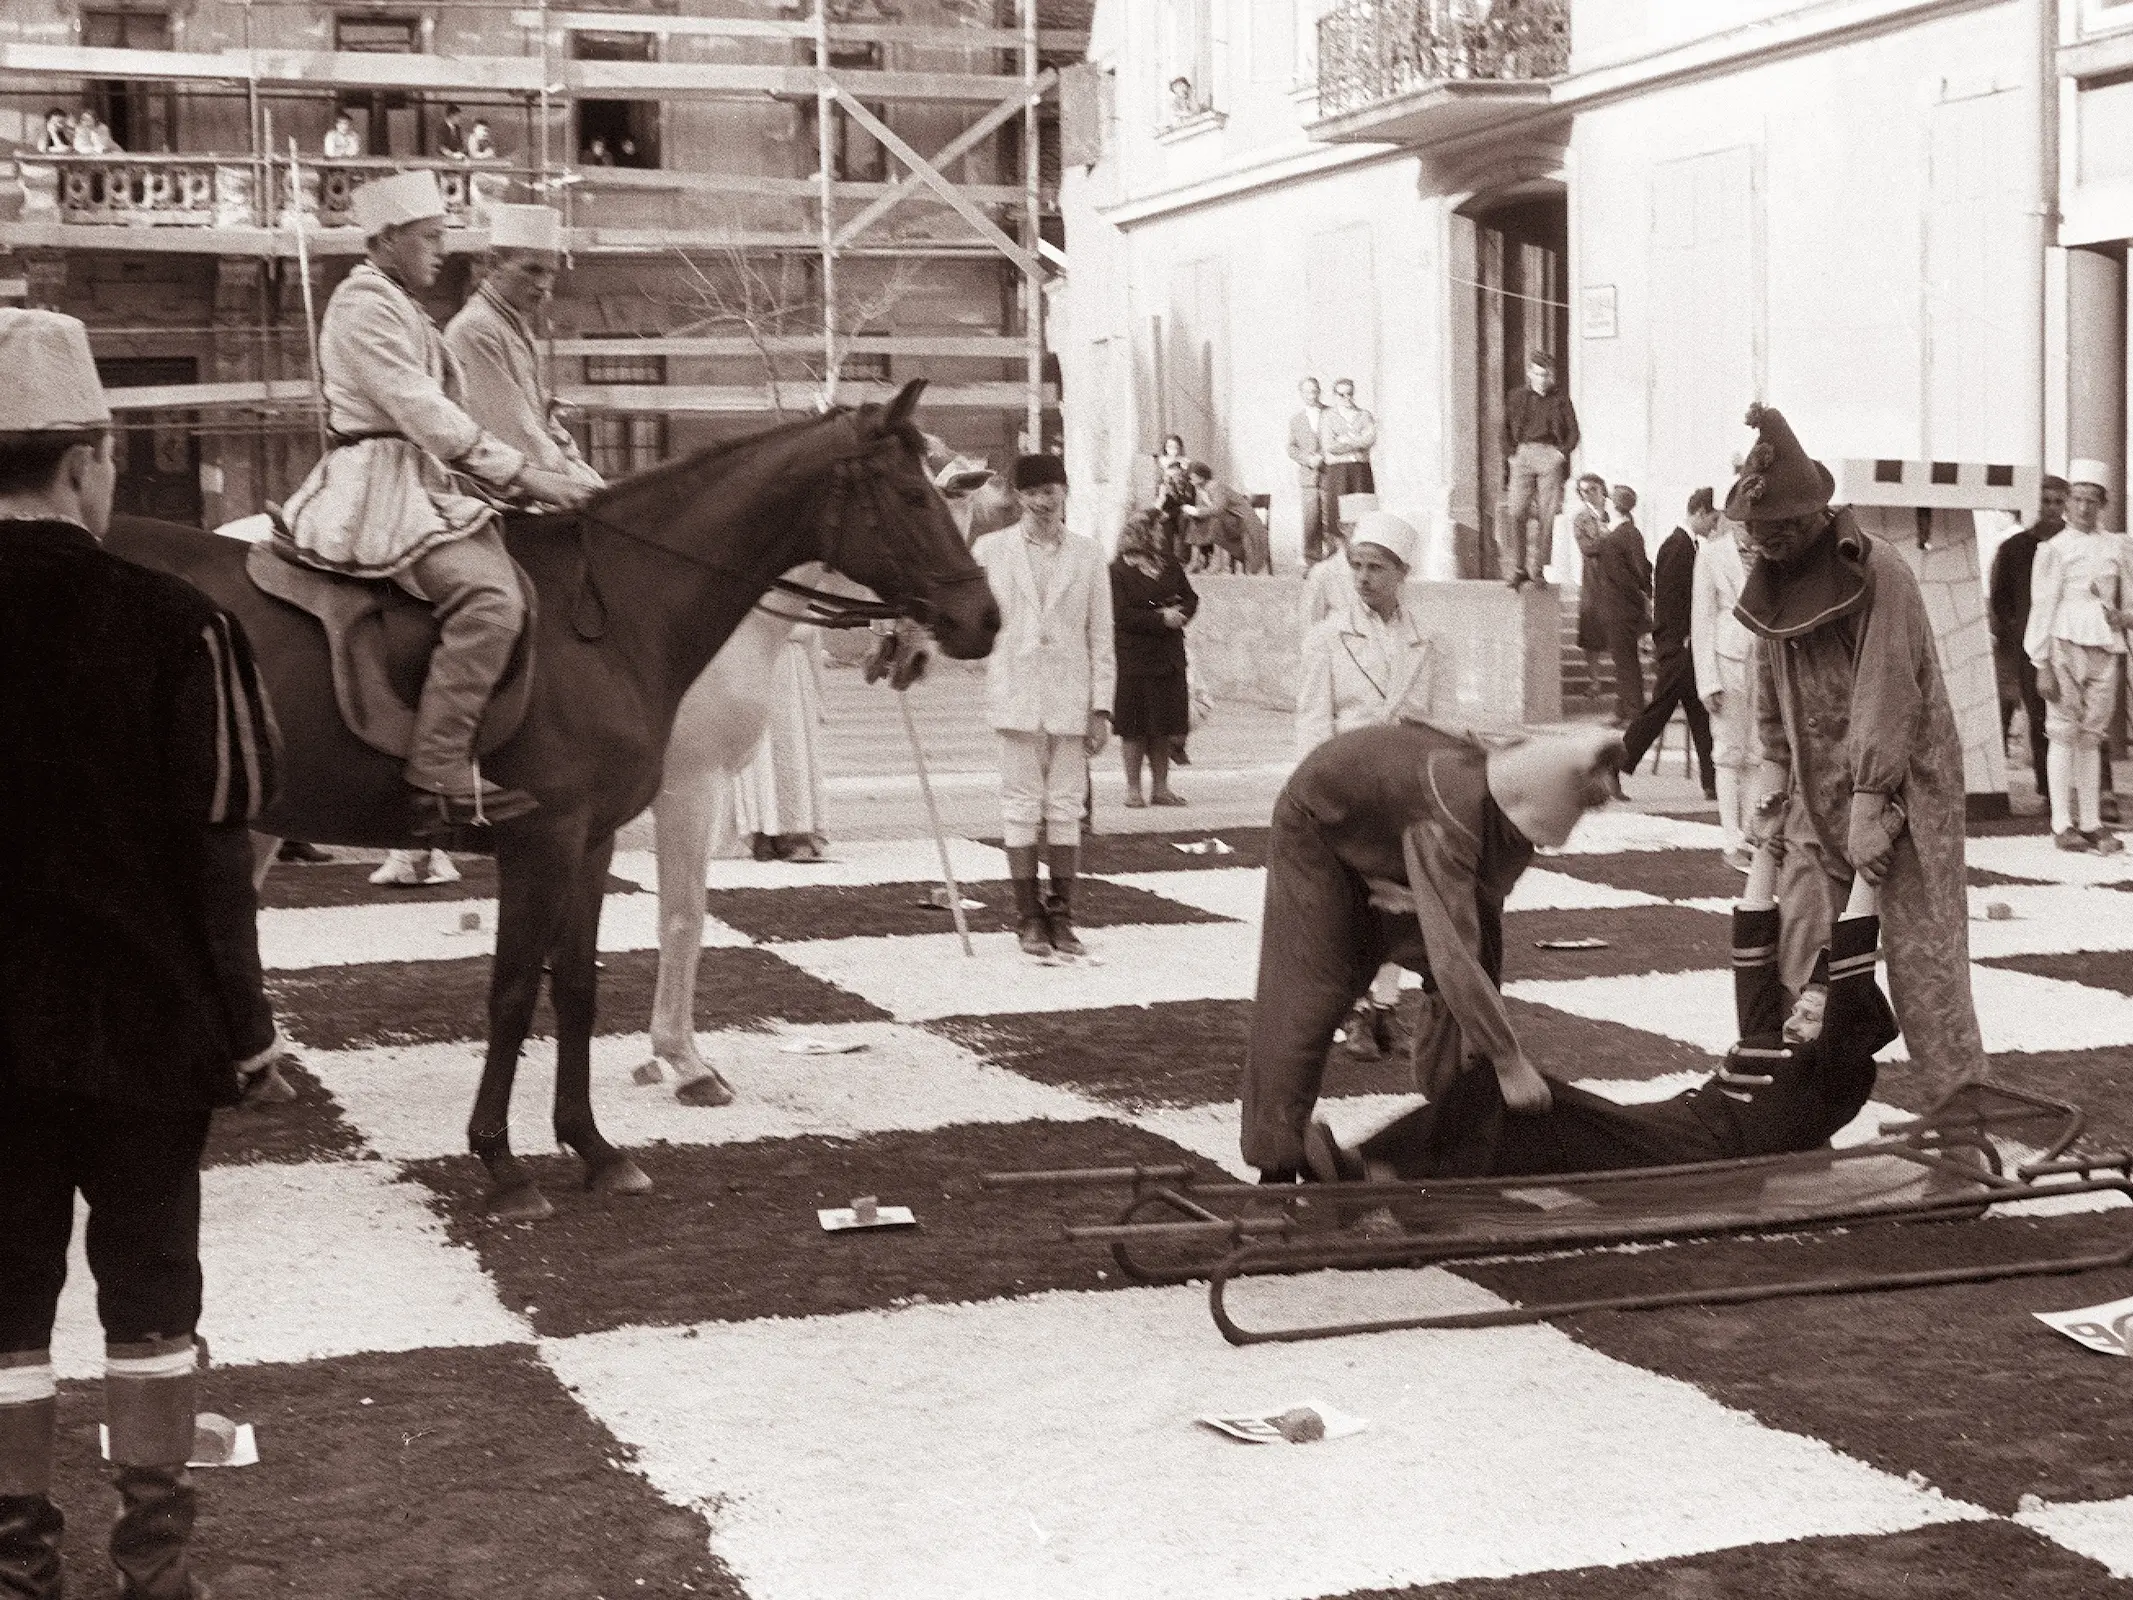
[1151, 601]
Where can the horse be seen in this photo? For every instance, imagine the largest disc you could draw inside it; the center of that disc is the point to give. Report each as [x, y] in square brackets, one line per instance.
[715, 732]
[636, 591]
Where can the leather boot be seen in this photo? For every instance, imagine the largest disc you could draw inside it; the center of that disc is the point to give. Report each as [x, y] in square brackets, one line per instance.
[30, 1525]
[148, 1542]
[1060, 862]
[1031, 930]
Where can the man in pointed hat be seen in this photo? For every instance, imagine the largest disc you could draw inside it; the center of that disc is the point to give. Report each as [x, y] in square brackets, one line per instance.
[1862, 765]
[137, 744]
[1400, 842]
[407, 491]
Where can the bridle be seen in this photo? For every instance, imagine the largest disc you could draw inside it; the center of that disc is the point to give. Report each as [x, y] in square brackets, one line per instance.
[819, 607]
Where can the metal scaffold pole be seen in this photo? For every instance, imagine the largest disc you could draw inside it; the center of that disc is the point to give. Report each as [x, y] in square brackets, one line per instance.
[825, 175]
[1033, 272]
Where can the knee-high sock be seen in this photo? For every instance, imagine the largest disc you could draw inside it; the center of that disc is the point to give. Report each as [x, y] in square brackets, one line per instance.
[2059, 769]
[1060, 861]
[28, 1415]
[2088, 787]
[1729, 808]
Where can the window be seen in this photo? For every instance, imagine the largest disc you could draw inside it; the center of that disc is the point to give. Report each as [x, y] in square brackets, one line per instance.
[617, 133]
[1185, 60]
[390, 36]
[856, 156]
[139, 117]
[626, 369]
[387, 121]
[616, 447]
[866, 366]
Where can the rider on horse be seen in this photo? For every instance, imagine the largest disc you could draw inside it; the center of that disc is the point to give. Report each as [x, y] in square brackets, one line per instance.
[409, 490]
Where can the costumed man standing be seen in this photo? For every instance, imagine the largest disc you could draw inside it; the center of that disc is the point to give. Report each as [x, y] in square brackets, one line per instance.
[136, 745]
[1862, 765]
[1400, 842]
[1048, 690]
[408, 492]
[2081, 594]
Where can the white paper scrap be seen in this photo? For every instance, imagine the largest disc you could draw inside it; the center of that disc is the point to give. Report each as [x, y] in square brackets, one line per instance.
[1292, 1424]
[808, 1045]
[243, 1453]
[2108, 1327]
[842, 1219]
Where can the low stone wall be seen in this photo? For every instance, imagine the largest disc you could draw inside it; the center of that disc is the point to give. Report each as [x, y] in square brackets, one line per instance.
[1504, 647]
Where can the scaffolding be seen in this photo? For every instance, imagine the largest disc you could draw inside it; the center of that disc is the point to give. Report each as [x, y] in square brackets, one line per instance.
[838, 236]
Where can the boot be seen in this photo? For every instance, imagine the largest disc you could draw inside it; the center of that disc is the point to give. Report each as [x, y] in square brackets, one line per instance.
[148, 1542]
[1060, 862]
[30, 1524]
[1030, 927]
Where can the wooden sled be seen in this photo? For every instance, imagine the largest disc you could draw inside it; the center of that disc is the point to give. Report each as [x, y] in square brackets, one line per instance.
[1954, 1162]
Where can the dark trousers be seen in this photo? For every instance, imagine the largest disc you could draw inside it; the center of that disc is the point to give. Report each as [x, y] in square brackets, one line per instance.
[1314, 520]
[139, 1171]
[1622, 641]
[1673, 684]
[2032, 703]
[1335, 479]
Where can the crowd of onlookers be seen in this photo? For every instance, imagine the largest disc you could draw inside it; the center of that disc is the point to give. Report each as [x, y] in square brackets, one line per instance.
[79, 133]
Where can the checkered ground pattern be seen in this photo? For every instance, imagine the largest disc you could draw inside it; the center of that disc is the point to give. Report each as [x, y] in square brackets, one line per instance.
[977, 1408]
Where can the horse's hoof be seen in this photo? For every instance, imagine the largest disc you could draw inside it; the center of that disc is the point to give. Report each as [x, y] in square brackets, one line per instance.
[709, 1090]
[522, 1202]
[618, 1175]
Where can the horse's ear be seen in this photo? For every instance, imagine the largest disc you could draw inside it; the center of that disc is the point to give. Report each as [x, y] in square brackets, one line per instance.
[901, 408]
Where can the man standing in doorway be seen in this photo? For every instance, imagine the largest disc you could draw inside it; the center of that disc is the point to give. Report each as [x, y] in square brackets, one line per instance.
[2013, 565]
[1540, 430]
[1351, 432]
[1307, 448]
[1674, 669]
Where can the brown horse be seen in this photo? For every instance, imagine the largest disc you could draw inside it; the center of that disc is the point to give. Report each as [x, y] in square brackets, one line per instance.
[636, 592]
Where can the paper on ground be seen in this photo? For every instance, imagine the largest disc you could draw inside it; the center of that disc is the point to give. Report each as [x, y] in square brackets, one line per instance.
[809, 1045]
[1258, 1427]
[244, 1451]
[2108, 1327]
[842, 1219]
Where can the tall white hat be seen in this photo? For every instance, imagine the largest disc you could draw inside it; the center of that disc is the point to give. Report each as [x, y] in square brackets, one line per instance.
[1354, 507]
[1394, 535]
[525, 228]
[2083, 469]
[403, 197]
[51, 377]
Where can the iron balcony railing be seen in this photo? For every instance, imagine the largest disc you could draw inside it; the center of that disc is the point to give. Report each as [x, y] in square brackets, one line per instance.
[1370, 51]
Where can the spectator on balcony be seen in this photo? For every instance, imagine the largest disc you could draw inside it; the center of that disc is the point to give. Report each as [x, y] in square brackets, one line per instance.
[1184, 104]
[597, 154]
[93, 137]
[481, 143]
[56, 137]
[342, 141]
[452, 137]
[1350, 434]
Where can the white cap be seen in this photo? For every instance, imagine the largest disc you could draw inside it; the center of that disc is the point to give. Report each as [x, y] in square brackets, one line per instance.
[51, 378]
[2084, 470]
[959, 467]
[1354, 507]
[525, 228]
[1394, 535]
[403, 197]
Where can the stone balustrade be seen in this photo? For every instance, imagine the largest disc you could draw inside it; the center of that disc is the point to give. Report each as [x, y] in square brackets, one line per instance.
[211, 191]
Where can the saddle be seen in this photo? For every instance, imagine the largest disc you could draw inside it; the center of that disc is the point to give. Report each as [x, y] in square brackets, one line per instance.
[379, 639]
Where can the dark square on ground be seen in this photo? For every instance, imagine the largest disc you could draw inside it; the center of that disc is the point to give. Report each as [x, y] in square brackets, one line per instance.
[347, 883]
[1639, 939]
[308, 1128]
[1159, 852]
[730, 1231]
[826, 911]
[428, 1473]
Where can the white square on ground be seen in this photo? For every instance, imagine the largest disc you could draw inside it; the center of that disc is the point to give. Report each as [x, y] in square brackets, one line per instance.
[2035, 856]
[2050, 920]
[412, 1102]
[918, 977]
[429, 930]
[1541, 890]
[2102, 1530]
[302, 1262]
[980, 1450]
[1235, 892]
[1614, 828]
[852, 863]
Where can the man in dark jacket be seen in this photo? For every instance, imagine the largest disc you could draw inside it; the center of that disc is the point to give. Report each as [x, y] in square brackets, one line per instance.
[1674, 669]
[2009, 613]
[1624, 575]
[136, 745]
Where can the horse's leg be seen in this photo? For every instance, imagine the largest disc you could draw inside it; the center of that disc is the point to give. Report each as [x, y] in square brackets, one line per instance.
[535, 872]
[573, 984]
[682, 820]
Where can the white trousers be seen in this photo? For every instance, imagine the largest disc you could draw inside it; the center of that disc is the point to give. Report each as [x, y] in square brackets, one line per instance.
[1043, 779]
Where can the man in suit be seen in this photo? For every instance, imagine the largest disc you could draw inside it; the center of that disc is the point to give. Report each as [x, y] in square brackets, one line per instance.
[137, 745]
[1307, 448]
[2013, 565]
[1048, 691]
[1624, 576]
[1674, 668]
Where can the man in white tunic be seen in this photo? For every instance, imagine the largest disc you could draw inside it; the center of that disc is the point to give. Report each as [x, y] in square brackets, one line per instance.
[1724, 652]
[405, 493]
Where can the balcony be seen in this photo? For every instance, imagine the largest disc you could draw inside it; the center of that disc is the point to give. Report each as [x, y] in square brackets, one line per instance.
[1419, 71]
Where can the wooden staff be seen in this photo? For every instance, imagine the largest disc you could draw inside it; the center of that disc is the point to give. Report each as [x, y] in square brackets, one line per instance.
[933, 815]
[303, 267]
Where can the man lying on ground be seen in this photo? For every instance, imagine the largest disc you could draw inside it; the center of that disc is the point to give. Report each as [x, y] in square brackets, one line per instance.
[1399, 842]
[1790, 1084]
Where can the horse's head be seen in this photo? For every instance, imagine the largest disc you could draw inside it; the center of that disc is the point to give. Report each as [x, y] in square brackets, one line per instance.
[888, 527]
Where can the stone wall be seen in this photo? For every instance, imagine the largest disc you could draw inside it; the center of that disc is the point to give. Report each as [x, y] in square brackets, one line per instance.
[1948, 575]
